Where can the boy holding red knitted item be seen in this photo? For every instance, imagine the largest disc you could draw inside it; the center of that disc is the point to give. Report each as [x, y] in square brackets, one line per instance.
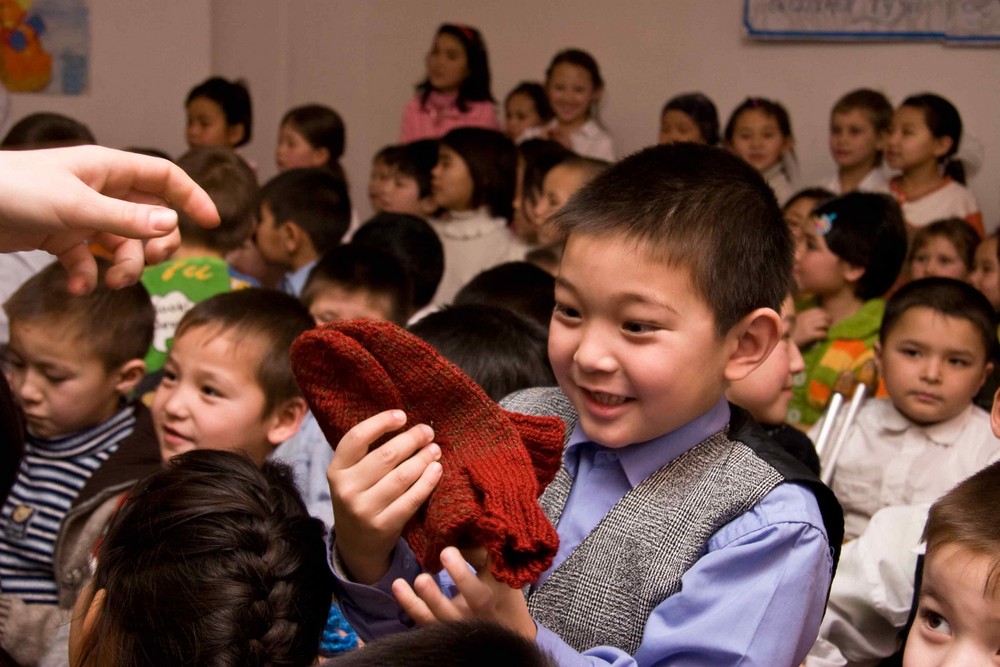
[685, 534]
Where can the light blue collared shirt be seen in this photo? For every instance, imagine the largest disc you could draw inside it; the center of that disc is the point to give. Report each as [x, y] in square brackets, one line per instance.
[295, 281]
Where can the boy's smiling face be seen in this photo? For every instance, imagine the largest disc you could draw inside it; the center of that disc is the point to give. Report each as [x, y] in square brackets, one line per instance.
[932, 364]
[632, 343]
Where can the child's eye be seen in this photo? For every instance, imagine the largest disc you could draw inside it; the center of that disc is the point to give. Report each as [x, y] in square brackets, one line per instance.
[56, 378]
[935, 622]
[909, 352]
[566, 312]
[209, 390]
[637, 328]
[960, 363]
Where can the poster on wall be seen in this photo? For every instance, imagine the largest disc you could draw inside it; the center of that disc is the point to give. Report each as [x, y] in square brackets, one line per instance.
[44, 46]
[950, 21]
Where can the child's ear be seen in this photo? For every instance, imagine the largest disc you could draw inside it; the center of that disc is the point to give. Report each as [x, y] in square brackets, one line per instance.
[877, 349]
[942, 145]
[427, 206]
[995, 414]
[754, 337]
[852, 273]
[235, 133]
[129, 375]
[285, 419]
[321, 156]
[987, 369]
[292, 236]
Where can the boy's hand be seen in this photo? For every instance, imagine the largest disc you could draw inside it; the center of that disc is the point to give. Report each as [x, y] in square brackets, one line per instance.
[375, 494]
[810, 325]
[480, 596]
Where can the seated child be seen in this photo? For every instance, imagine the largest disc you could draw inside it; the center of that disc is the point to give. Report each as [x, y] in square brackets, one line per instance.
[500, 349]
[985, 276]
[646, 336]
[854, 250]
[935, 343]
[227, 382]
[798, 211]
[72, 363]
[534, 159]
[311, 135]
[559, 184]
[303, 213]
[525, 107]
[760, 131]
[765, 393]
[859, 127]
[518, 286]
[352, 281]
[401, 179]
[689, 117]
[210, 562]
[417, 247]
[198, 269]
[219, 113]
[945, 248]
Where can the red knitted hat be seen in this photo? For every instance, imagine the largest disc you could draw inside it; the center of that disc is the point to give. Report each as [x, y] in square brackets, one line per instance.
[495, 463]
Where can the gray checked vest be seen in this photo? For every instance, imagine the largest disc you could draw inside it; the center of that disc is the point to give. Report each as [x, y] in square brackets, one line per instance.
[635, 556]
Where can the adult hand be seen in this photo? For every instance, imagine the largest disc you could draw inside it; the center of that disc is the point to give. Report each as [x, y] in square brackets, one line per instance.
[61, 199]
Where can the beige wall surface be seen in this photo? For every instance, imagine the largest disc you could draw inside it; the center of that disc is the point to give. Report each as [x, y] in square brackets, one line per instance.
[363, 58]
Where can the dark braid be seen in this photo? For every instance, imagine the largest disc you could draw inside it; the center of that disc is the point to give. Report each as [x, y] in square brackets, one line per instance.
[212, 562]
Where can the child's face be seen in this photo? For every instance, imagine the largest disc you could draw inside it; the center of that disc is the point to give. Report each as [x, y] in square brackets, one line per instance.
[765, 393]
[451, 182]
[958, 619]
[798, 214]
[206, 125]
[294, 151]
[60, 385]
[757, 138]
[381, 173]
[210, 398]
[932, 365]
[521, 115]
[558, 186]
[332, 302]
[854, 141]
[984, 276]
[269, 239]
[937, 257]
[401, 194]
[677, 126]
[571, 92]
[632, 343]
[817, 269]
[910, 144]
[447, 64]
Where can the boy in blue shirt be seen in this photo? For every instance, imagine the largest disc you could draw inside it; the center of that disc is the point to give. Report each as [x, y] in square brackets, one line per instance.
[686, 535]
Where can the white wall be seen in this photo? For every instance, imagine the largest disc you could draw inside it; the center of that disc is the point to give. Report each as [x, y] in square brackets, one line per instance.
[363, 57]
[144, 57]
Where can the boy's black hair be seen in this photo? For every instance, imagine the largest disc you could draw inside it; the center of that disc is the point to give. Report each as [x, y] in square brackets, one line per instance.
[448, 644]
[232, 186]
[536, 92]
[701, 110]
[47, 130]
[492, 162]
[499, 349]
[211, 561]
[943, 120]
[946, 296]
[476, 85]
[116, 325]
[314, 199]
[697, 207]
[416, 160]
[519, 286]
[265, 317]
[821, 195]
[362, 268]
[415, 245]
[867, 231]
[957, 231]
[322, 127]
[233, 97]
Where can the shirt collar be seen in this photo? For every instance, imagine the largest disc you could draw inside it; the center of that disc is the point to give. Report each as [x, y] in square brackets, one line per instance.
[297, 279]
[944, 433]
[642, 459]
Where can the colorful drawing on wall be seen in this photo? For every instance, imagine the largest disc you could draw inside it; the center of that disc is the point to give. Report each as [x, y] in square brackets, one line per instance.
[44, 46]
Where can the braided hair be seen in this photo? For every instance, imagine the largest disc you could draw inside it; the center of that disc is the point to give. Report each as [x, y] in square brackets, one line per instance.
[211, 561]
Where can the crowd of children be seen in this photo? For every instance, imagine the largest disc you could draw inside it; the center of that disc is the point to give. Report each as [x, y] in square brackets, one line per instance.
[688, 313]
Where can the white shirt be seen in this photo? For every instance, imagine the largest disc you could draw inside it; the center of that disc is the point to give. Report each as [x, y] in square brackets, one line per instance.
[588, 140]
[951, 200]
[874, 181]
[888, 460]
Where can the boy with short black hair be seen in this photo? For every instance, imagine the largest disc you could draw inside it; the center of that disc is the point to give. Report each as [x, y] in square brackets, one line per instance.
[228, 383]
[72, 362]
[303, 213]
[676, 261]
[198, 269]
[401, 179]
[353, 281]
[935, 344]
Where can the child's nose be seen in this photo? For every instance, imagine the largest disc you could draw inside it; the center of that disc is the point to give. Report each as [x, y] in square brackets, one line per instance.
[26, 387]
[593, 355]
[931, 369]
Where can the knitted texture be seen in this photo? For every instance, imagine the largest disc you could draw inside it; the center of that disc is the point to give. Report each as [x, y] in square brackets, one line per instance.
[495, 463]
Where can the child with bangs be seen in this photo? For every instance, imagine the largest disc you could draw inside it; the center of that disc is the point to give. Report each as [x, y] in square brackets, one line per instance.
[944, 248]
[760, 131]
[859, 127]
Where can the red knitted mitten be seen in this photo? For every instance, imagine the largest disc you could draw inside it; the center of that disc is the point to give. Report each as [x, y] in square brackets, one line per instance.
[487, 496]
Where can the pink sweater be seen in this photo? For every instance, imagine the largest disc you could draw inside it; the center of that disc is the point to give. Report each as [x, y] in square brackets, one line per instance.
[440, 115]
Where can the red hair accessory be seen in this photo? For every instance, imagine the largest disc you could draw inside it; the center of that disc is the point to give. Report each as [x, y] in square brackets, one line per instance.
[496, 463]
